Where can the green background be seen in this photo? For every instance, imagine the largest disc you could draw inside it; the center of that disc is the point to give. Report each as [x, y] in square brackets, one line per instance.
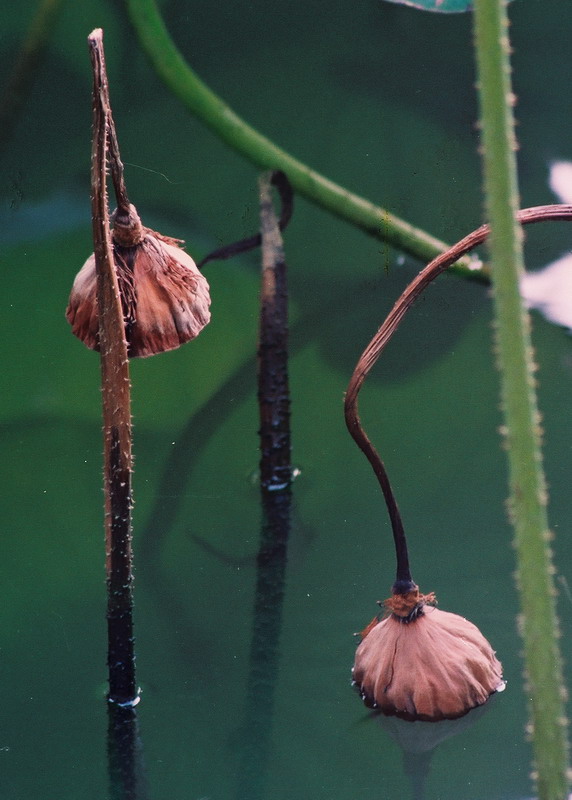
[380, 98]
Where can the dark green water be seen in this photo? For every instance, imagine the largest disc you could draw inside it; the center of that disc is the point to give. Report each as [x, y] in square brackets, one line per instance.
[381, 99]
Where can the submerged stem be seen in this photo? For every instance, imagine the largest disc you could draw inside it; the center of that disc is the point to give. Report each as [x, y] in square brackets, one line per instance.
[126, 770]
[374, 349]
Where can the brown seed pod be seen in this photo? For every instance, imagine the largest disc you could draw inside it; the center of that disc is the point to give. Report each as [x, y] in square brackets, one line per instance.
[165, 298]
[420, 663]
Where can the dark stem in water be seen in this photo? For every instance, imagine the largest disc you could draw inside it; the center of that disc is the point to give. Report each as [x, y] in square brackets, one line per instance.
[273, 391]
[125, 755]
[115, 388]
[374, 349]
[123, 744]
[275, 487]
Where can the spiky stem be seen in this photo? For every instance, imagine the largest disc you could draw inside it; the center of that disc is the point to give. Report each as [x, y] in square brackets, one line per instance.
[527, 484]
[115, 387]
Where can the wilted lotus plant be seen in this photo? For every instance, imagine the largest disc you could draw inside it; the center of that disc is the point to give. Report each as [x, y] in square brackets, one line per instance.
[164, 297]
[138, 294]
[418, 662]
[415, 662]
[422, 663]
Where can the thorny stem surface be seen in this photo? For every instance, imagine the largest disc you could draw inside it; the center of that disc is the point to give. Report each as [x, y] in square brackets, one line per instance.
[528, 495]
[235, 132]
[374, 349]
[115, 387]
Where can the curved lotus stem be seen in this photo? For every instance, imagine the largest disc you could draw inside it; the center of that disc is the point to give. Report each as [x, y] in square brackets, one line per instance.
[374, 349]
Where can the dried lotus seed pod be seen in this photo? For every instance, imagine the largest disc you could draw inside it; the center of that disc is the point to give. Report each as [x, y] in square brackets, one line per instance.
[420, 663]
[165, 298]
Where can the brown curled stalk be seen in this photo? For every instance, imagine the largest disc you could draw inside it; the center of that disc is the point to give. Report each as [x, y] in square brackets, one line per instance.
[374, 349]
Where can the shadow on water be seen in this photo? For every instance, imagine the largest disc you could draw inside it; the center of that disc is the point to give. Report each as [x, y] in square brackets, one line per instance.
[418, 741]
[322, 319]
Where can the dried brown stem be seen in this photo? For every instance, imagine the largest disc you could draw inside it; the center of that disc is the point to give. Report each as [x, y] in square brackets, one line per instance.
[273, 391]
[116, 406]
[116, 166]
[111, 144]
[374, 349]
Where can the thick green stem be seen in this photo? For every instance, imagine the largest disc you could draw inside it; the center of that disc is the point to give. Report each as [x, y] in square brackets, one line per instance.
[225, 123]
[527, 484]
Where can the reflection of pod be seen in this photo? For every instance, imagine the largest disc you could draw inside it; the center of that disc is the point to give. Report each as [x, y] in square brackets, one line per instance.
[165, 298]
[423, 737]
[417, 741]
[420, 663]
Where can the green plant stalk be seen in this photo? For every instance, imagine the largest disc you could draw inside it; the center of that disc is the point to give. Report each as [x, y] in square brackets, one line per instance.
[527, 484]
[235, 132]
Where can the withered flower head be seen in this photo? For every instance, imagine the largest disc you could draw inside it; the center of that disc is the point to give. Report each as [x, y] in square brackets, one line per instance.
[417, 663]
[420, 663]
[165, 298]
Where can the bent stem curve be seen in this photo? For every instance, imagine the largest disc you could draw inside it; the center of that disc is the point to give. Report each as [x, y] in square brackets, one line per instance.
[374, 349]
